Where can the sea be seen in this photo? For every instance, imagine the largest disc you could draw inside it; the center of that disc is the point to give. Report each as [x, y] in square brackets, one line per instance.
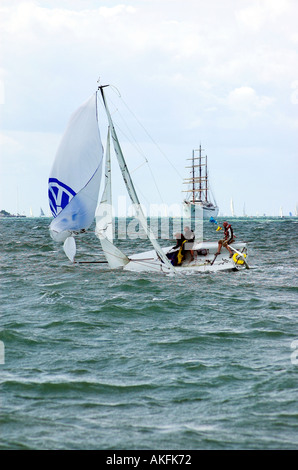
[96, 359]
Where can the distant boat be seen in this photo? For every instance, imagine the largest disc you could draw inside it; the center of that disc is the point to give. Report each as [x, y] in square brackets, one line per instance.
[296, 211]
[281, 214]
[199, 189]
[42, 214]
[232, 208]
[244, 211]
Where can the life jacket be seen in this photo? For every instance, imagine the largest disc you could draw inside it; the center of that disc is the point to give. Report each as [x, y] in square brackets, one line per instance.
[229, 232]
[180, 255]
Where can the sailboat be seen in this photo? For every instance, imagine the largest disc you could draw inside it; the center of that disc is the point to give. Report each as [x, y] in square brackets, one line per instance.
[232, 208]
[199, 190]
[74, 185]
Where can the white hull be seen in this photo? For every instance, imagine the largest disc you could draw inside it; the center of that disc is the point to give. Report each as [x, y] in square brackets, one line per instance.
[149, 262]
[189, 209]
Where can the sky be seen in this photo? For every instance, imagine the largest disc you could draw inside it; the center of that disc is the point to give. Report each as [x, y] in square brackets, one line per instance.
[221, 74]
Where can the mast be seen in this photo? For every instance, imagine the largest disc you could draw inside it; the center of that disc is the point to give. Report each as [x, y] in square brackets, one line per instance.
[193, 176]
[130, 186]
[200, 174]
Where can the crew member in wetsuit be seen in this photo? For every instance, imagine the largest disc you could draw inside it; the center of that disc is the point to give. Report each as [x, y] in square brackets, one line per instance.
[228, 238]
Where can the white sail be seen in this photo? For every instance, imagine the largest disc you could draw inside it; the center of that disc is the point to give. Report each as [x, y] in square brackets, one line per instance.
[232, 208]
[69, 247]
[114, 256]
[104, 219]
[76, 173]
[104, 211]
[132, 192]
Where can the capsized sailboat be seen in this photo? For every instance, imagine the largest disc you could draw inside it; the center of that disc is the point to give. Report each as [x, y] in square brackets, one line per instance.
[74, 185]
[199, 191]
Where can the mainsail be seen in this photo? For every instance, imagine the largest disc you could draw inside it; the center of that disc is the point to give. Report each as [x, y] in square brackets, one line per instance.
[104, 218]
[104, 211]
[76, 173]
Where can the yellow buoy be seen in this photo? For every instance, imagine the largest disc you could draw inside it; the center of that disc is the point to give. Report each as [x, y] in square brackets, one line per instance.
[238, 259]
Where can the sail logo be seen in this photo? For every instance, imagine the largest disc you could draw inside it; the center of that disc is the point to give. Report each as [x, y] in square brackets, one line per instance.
[59, 195]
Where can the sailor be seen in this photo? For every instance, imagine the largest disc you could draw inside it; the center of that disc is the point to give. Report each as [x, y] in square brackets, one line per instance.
[190, 238]
[227, 240]
[177, 253]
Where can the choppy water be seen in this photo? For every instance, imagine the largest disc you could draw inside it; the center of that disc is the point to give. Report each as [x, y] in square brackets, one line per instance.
[96, 359]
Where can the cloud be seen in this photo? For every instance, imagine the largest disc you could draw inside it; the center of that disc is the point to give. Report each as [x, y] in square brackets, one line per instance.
[258, 14]
[245, 99]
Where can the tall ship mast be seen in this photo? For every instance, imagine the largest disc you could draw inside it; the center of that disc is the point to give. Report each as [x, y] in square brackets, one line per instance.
[199, 193]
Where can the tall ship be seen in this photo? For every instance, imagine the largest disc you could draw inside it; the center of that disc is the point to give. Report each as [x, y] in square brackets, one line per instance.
[199, 192]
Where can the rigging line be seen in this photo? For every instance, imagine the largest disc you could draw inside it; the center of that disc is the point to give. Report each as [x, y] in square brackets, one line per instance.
[130, 139]
[155, 143]
[138, 167]
[117, 92]
[142, 154]
[152, 174]
[134, 143]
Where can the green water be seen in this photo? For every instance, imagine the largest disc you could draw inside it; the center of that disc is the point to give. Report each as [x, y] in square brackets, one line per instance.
[97, 359]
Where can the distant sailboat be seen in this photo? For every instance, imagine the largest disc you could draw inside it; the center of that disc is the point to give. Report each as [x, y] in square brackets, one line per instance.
[244, 211]
[42, 214]
[199, 189]
[74, 185]
[232, 208]
[281, 214]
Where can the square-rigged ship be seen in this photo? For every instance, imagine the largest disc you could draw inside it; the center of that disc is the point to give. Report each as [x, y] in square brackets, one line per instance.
[199, 191]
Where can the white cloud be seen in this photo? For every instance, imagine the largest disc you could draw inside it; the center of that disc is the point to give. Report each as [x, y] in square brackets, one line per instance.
[256, 15]
[245, 99]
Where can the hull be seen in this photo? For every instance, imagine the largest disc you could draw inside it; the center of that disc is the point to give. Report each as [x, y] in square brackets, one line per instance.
[190, 210]
[205, 263]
